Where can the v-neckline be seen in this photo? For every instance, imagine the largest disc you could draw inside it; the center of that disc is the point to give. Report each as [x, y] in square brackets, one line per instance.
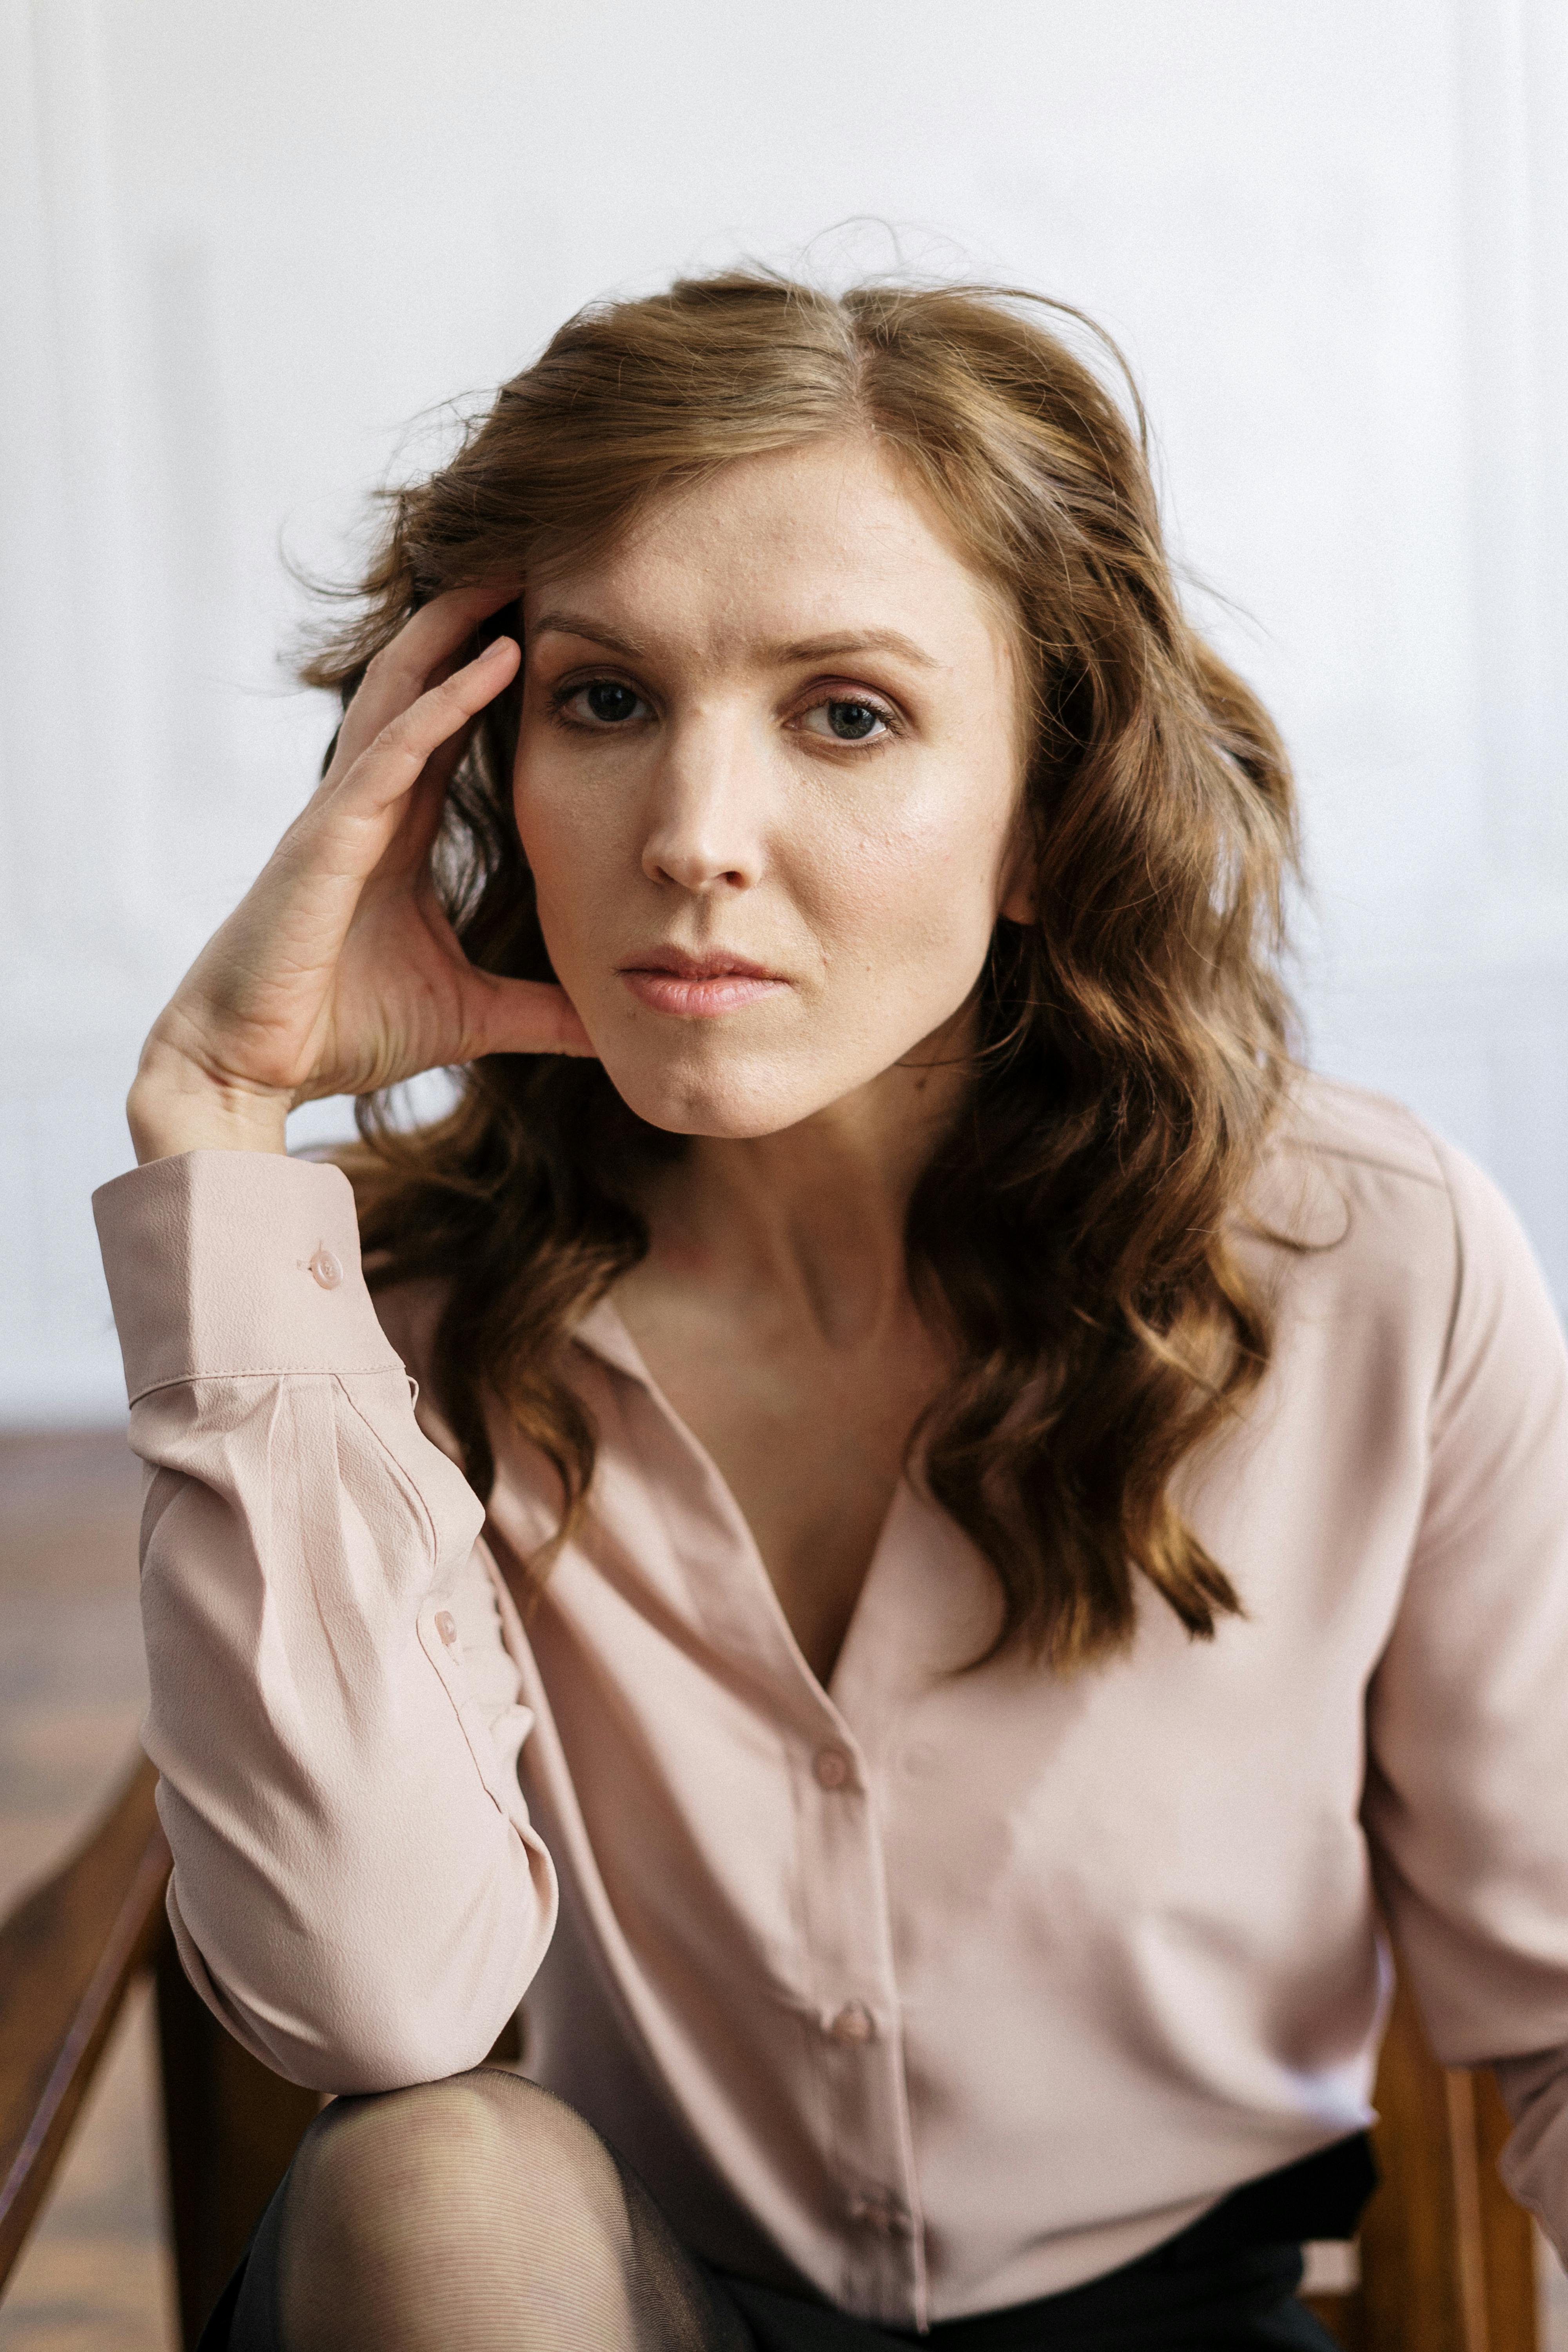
[604, 1331]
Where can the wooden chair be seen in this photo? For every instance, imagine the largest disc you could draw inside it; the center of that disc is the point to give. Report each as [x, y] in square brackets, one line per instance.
[1446, 2259]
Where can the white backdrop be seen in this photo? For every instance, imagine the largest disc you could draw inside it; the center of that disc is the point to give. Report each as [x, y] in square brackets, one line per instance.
[242, 246]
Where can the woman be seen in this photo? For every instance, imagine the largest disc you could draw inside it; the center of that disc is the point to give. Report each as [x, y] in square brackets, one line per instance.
[958, 1523]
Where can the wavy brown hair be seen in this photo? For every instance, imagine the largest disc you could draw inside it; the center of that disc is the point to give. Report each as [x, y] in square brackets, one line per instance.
[1073, 1234]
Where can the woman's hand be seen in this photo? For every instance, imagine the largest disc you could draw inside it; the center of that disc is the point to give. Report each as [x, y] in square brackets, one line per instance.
[338, 973]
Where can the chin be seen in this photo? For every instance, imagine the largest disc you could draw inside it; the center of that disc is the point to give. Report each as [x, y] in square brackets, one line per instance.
[754, 1095]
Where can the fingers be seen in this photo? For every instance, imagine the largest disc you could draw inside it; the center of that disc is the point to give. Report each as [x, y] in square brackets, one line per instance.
[520, 1016]
[397, 758]
[357, 814]
[401, 672]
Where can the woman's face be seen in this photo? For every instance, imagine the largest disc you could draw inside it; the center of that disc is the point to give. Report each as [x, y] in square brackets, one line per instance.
[767, 779]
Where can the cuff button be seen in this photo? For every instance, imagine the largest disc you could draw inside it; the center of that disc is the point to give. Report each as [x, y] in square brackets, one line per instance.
[326, 1269]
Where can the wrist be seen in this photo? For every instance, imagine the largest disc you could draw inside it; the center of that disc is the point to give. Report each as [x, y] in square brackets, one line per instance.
[175, 1106]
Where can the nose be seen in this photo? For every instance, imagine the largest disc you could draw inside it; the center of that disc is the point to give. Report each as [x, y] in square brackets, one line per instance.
[705, 828]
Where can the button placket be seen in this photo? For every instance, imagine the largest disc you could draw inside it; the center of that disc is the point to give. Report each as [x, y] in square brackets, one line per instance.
[867, 2146]
[881, 2214]
[852, 2026]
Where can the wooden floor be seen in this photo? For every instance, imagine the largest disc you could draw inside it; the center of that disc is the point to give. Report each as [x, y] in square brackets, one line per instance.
[96, 2276]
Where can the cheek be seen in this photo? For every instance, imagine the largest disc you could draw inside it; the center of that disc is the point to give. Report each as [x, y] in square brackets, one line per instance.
[567, 840]
[913, 903]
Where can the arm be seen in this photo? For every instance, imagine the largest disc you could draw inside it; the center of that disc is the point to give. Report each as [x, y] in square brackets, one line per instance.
[1467, 1803]
[357, 1892]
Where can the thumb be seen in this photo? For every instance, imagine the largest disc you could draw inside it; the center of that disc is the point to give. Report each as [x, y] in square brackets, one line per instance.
[522, 1016]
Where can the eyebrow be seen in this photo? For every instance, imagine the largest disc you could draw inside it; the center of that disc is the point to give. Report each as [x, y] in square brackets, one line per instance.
[579, 624]
[857, 641]
[839, 641]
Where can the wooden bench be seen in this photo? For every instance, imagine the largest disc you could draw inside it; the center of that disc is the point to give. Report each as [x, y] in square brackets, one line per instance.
[1446, 2260]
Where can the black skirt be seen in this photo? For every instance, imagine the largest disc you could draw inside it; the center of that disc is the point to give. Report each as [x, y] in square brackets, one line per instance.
[1227, 2284]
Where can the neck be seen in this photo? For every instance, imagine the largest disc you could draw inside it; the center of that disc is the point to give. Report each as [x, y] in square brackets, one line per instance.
[814, 1215]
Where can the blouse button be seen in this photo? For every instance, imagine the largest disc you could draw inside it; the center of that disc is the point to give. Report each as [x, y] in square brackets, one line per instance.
[326, 1269]
[879, 2213]
[853, 2025]
[446, 1626]
[831, 1767]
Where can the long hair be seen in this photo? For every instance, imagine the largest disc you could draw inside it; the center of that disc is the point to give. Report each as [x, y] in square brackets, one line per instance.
[1073, 1236]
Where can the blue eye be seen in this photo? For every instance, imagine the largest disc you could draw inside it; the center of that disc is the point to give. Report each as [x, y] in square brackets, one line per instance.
[852, 721]
[846, 720]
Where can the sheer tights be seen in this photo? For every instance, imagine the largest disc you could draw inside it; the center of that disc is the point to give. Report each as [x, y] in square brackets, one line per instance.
[480, 2215]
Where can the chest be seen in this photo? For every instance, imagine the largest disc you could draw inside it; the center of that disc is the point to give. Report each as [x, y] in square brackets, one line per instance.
[809, 1437]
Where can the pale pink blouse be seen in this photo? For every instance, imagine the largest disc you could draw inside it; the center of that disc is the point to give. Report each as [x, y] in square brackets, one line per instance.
[934, 1991]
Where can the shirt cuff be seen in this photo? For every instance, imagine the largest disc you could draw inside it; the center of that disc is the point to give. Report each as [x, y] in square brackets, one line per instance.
[236, 1262]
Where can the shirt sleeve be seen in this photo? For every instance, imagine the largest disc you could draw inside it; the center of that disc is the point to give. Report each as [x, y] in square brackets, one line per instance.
[357, 1891]
[1466, 1802]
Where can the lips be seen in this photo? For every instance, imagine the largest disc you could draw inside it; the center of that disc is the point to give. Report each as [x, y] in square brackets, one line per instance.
[697, 987]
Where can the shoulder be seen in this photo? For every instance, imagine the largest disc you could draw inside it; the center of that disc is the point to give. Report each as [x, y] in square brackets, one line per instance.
[1348, 1128]
[1370, 1205]
[1339, 1144]
[1351, 1174]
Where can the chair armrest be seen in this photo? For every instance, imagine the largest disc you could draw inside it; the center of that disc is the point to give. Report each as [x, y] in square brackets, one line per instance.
[68, 1952]
[1448, 2259]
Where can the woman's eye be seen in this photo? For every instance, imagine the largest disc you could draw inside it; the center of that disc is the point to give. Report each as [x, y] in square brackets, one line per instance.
[847, 720]
[604, 702]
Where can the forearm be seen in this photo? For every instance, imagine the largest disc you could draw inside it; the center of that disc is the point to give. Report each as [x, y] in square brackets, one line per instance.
[352, 1858]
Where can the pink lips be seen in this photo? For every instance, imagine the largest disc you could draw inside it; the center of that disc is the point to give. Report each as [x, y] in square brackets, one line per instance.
[696, 988]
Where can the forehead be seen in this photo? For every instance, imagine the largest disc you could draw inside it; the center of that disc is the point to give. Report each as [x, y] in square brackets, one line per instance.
[793, 544]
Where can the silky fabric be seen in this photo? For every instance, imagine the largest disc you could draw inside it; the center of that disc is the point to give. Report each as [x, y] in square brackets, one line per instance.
[929, 1993]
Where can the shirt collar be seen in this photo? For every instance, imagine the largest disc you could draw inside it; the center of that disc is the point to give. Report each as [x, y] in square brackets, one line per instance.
[603, 1334]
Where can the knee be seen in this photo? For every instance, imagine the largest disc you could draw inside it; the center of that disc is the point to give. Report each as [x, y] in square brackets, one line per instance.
[434, 2178]
[478, 2138]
